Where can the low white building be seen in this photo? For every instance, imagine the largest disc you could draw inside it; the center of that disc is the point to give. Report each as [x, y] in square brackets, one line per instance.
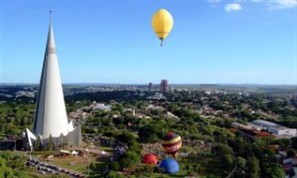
[157, 96]
[275, 129]
[249, 126]
[101, 106]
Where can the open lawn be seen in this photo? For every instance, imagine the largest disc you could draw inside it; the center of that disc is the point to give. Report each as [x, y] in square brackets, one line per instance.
[74, 163]
[104, 148]
[179, 174]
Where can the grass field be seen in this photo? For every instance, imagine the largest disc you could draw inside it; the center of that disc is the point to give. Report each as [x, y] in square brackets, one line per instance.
[179, 174]
[77, 164]
[74, 163]
[109, 149]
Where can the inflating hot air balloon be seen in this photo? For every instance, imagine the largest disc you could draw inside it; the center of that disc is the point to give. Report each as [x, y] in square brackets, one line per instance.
[150, 159]
[171, 143]
[169, 165]
[162, 24]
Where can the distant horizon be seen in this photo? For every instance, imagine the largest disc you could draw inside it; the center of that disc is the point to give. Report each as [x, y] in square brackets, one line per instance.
[82, 83]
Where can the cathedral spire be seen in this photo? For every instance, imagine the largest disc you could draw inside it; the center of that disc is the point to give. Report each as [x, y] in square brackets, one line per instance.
[51, 16]
[50, 116]
[50, 47]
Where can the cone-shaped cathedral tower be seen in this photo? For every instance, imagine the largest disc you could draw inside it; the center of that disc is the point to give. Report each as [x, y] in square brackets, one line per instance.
[51, 117]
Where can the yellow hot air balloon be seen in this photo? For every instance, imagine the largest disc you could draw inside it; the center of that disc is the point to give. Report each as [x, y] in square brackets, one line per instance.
[162, 23]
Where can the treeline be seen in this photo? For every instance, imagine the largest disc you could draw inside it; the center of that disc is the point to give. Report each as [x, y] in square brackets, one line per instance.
[15, 117]
[106, 96]
[13, 165]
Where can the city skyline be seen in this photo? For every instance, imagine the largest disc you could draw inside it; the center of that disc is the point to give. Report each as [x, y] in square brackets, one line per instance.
[212, 42]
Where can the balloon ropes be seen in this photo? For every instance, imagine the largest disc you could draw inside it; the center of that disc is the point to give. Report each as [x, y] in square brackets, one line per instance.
[162, 23]
[171, 143]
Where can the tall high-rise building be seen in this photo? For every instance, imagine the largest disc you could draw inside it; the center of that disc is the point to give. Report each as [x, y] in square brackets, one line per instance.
[150, 86]
[164, 86]
[50, 117]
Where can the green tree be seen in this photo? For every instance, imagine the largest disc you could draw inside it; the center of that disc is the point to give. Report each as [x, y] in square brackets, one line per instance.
[38, 144]
[113, 174]
[271, 169]
[115, 166]
[227, 159]
[50, 144]
[129, 159]
[253, 167]
[241, 162]
[221, 149]
[5, 172]
[283, 143]
[150, 133]
[126, 137]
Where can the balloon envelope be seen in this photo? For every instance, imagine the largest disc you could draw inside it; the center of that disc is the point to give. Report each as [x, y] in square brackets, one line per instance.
[150, 159]
[162, 23]
[171, 143]
[169, 165]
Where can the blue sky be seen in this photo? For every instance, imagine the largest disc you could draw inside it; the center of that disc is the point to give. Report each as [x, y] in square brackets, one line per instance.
[112, 41]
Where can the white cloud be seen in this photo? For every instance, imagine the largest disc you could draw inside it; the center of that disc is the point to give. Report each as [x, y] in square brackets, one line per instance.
[214, 1]
[233, 7]
[258, 1]
[277, 4]
[281, 4]
[270, 4]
